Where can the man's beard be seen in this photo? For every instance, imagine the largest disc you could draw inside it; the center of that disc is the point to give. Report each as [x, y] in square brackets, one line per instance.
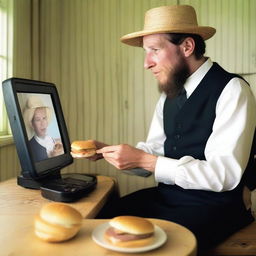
[176, 80]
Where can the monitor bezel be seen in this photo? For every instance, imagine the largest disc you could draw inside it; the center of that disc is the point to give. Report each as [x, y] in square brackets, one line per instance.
[30, 168]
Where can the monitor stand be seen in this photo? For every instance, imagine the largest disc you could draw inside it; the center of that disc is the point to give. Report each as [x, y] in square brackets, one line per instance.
[29, 182]
[67, 187]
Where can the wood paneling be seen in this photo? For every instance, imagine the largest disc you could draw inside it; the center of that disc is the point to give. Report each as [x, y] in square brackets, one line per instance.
[105, 92]
[9, 163]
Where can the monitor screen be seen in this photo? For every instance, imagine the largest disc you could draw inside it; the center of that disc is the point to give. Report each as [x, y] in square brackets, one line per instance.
[38, 126]
[41, 125]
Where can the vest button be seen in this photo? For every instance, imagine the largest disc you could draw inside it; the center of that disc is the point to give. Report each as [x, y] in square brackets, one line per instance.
[177, 136]
[174, 148]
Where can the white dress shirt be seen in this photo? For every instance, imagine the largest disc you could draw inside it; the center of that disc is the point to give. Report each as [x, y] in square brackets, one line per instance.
[227, 149]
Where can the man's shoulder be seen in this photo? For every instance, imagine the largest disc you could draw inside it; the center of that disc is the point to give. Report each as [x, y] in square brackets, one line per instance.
[32, 140]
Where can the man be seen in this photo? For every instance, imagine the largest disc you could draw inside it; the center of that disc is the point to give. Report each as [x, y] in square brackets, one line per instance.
[37, 117]
[200, 139]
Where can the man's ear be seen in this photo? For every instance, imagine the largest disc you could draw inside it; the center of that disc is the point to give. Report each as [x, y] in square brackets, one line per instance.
[188, 46]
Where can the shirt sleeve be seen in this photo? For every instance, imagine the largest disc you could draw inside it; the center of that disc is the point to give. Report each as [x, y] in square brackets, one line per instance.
[227, 150]
[156, 137]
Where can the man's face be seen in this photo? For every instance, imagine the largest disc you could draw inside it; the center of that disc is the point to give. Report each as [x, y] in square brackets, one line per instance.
[40, 122]
[167, 63]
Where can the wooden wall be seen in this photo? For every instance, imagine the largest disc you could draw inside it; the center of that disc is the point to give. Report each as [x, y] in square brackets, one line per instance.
[105, 92]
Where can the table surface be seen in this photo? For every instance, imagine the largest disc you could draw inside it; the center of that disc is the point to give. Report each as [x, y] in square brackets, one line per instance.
[17, 238]
[15, 199]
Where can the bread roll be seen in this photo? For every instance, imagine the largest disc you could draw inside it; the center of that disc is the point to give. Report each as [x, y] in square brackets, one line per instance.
[132, 224]
[130, 231]
[57, 222]
[83, 148]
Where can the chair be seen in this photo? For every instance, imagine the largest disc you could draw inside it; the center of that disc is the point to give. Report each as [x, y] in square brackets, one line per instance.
[242, 242]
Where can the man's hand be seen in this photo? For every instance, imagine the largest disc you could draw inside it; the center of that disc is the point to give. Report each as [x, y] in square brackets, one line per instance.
[57, 149]
[125, 157]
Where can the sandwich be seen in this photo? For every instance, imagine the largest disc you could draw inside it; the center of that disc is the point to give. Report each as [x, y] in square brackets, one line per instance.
[83, 148]
[57, 222]
[130, 231]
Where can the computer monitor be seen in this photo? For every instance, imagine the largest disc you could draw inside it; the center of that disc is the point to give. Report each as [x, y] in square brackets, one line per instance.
[38, 127]
[42, 141]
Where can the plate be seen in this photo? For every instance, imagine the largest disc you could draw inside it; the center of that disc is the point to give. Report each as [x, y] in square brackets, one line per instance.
[98, 237]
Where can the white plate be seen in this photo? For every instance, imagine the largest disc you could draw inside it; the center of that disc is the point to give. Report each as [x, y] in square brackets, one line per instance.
[98, 237]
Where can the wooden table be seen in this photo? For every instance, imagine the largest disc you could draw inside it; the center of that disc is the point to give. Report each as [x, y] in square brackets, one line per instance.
[15, 199]
[17, 238]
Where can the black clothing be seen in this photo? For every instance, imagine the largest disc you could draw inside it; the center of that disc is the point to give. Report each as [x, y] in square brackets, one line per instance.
[211, 216]
[39, 152]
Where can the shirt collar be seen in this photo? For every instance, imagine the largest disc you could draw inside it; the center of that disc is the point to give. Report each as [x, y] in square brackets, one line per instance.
[194, 80]
[46, 142]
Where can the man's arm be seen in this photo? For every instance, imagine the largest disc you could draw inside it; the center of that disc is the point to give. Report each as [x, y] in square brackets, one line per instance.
[125, 157]
[227, 150]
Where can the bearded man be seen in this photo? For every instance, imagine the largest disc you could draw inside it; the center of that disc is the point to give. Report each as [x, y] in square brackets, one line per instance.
[199, 145]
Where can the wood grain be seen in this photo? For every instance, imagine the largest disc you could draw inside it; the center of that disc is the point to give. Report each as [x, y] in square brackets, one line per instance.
[15, 199]
[17, 238]
[242, 242]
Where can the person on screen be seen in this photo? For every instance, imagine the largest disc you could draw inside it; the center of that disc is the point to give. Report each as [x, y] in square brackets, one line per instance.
[200, 140]
[37, 117]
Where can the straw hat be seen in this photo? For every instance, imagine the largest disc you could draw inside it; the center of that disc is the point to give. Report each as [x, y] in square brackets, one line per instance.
[169, 19]
[34, 102]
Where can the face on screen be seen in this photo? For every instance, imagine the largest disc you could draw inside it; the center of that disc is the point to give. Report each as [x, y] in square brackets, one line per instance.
[40, 122]
[41, 125]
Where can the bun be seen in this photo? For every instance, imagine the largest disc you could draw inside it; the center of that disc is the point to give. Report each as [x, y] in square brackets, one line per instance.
[130, 231]
[132, 224]
[82, 144]
[57, 222]
[83, 148]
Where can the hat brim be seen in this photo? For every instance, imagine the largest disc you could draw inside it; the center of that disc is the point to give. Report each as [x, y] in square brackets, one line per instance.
[136, 38]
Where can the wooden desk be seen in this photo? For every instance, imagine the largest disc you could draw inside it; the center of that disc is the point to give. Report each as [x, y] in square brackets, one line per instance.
[15, 199]
[17, 238]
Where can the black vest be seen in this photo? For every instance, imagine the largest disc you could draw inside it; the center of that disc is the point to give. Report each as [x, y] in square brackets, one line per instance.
[39, 152]
[188, 129]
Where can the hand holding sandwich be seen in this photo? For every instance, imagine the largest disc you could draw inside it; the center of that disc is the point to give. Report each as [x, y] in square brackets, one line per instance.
[122, 156]
[57, 149]
[125, 157]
